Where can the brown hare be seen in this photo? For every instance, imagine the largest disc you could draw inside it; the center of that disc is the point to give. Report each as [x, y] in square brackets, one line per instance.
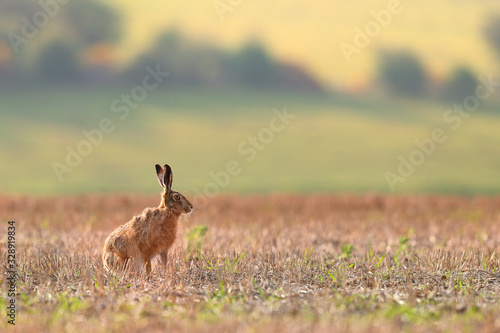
[151, 233]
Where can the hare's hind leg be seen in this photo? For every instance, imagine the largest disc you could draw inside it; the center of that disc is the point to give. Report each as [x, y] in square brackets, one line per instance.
[113, 262]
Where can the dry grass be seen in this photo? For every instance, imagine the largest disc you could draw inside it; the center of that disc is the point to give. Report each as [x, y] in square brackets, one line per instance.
[307, 263]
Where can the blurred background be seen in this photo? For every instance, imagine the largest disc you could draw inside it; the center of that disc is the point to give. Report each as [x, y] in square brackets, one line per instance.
[284, 96]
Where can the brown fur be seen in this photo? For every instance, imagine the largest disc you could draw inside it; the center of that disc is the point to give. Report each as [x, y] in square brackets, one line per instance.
[146, 235]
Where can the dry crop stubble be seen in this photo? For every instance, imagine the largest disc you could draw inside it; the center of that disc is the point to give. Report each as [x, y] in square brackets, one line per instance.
[285, 263]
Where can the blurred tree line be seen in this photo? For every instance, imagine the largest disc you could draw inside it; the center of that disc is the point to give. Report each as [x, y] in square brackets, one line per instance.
[45, 42]
[202, 64]
[75, 43]
[403, 73]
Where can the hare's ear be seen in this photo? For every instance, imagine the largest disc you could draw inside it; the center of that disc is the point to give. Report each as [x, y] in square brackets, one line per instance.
[160, 173]
[168, 177]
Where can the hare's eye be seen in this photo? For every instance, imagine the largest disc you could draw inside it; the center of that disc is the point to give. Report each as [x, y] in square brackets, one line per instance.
[177, 197]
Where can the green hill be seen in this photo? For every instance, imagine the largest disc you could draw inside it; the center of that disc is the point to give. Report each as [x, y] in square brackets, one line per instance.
[332, 144]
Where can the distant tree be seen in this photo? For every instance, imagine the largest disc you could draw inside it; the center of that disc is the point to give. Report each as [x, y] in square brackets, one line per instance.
[58, 63]
[5, 73]
[491, 32]
[86, 28]
[194, 63]
[174, 54]
[402, 73]
[12, 11]
[85, 23]
[462, 83]
[170, 41]
[11, 22]
[254, 67]
[296, 78]
[91, 22]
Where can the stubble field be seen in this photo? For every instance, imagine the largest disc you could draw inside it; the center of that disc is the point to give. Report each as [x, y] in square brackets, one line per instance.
[276, 263]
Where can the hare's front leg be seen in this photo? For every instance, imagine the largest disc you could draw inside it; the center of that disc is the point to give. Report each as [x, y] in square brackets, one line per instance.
[148, 268]
[138, 264]
[164, 258]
